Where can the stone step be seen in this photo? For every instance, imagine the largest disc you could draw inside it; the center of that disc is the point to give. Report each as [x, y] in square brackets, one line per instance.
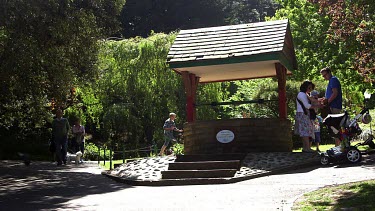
[195, 181]
[209, 157]
[179, 174]
[205, 165]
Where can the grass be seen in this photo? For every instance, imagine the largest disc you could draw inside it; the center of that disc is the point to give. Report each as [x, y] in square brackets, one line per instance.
[323, 148]
[107, 163]
[351, 196]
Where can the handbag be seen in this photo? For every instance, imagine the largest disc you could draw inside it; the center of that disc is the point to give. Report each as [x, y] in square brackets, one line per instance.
[311, 110]
[312, 113]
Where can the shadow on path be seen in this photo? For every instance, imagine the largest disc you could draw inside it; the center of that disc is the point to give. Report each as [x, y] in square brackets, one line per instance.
[367, 162]
[43, 185]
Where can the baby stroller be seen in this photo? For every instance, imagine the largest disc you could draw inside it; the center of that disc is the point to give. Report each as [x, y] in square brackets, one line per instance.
[340, 126]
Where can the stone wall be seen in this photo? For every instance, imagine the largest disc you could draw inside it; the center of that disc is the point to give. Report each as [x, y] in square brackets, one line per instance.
[250, 135]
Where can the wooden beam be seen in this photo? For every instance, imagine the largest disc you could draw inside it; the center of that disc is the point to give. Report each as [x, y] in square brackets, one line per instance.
[191, 82]
[281, 81]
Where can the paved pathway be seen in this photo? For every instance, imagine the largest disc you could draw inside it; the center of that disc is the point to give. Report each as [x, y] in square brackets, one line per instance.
[43, 186]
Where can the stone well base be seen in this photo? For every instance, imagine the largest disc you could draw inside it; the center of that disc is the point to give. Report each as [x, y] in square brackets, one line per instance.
[250, 135]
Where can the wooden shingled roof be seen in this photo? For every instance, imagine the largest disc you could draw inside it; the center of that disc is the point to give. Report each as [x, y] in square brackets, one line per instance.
[234, 52]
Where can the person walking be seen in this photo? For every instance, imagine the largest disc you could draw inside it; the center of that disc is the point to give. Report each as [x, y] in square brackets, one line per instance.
[169, 126]
[60, 128]
[333, 95]
[78, 131]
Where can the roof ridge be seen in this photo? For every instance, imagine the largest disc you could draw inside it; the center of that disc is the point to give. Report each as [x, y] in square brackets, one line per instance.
[226, 27]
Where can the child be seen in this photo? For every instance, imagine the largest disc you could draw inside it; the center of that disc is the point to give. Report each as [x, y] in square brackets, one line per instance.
[169, 126]
[314, 99]
[317, 123]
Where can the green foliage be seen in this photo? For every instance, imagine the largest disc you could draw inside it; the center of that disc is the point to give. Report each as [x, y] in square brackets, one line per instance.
[92, 152]
[48, 47]
[252, 90]
[140, 17]
[314, 50]
[266, 89]
[352, 26]
[135, 91]
[208, 93]
[249, 11]
[178, 149]
[34, 143]
[355, 196]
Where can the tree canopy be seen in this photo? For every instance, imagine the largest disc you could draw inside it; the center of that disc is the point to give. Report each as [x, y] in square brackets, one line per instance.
[48, 48]
[315, 49]
[352, 23]
[140, 17]
[136, 90]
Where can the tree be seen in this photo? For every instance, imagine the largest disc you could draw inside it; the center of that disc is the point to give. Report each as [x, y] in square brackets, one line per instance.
[314, 49]
[47, 48]
[136, 90]
[266, 89]
[249, 11]
[353, 24]
[140, 17]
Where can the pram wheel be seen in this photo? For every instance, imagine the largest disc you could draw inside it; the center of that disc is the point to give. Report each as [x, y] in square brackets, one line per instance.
[354, 155]
[324, 160]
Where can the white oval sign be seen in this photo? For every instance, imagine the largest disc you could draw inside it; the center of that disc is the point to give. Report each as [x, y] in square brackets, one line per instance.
[225, 136]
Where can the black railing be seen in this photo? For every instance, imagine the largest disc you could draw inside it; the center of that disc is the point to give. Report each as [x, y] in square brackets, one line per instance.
[259, 101]
[122, 152]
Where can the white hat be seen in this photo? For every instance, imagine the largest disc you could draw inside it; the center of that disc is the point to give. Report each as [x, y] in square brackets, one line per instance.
[314, 93]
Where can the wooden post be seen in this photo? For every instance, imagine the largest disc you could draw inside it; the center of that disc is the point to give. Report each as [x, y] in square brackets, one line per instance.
[98, 155]
[191, 84]
[123, 152]
[104, 155]
[110, 156]
[281, 81]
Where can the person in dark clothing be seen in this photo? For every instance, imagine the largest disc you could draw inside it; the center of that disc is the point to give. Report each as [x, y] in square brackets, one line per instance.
[333, 96]
[60, 129]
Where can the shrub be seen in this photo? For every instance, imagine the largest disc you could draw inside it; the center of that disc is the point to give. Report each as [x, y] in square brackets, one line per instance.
[178, 149]
[92, 152]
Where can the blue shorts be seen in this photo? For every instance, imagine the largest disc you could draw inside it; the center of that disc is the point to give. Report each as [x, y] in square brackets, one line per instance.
[317, 137]
[168, 139]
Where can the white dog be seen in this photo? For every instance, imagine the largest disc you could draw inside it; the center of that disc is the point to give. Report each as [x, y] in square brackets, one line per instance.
[76, 157]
